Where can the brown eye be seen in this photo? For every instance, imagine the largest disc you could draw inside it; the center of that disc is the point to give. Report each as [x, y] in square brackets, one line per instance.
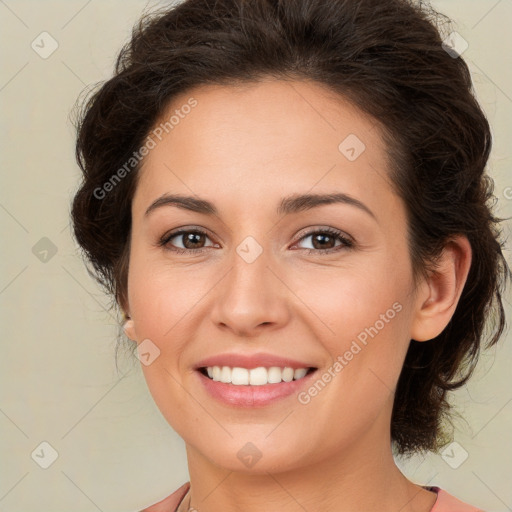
[323, 241]
[327, 240]
[192, 240]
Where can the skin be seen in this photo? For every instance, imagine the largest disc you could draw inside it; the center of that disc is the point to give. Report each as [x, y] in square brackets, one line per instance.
[244, 148]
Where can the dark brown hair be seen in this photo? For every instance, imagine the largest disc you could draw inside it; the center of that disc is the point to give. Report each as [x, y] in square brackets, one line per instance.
[388, 59]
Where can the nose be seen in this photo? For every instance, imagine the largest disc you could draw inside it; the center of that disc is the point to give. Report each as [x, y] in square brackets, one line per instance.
[251, 298]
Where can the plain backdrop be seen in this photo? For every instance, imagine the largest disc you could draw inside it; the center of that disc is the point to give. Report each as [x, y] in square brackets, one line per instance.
[105, 444]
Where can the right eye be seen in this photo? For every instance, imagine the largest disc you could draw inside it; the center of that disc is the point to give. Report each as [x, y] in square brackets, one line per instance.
[189, 238]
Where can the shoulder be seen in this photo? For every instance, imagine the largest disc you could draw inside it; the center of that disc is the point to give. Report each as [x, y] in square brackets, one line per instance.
[447, 503]
[169, 504]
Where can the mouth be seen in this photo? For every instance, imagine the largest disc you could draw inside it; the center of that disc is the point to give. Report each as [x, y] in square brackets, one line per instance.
[255, 387]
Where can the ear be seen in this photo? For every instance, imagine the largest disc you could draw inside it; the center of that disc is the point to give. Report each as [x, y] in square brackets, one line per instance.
[439, 294]
[129, 329]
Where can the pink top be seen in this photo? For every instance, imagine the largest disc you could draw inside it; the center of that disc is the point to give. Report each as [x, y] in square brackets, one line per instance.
[445, 502]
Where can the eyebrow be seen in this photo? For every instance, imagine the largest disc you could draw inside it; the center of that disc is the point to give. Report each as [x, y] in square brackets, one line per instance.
[288, 205]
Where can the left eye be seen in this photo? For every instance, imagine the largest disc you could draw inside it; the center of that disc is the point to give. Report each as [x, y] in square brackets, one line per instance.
[325, 241]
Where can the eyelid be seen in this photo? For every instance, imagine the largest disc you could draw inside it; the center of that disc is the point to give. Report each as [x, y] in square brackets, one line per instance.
[312, 230]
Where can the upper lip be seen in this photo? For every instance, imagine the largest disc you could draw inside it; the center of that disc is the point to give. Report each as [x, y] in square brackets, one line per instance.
[251, 361]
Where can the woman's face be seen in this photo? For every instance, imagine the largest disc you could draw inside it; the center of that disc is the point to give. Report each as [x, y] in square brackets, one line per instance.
[267, 278]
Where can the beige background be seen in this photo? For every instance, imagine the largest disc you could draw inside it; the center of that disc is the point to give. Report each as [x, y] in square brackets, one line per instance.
[58, 374]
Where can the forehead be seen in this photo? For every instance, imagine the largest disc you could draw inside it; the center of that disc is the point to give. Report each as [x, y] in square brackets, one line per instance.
[264, 139]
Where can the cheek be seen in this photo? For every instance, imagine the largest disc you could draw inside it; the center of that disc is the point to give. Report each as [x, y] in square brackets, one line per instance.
[363, 323]
[351, 301]
[160, 294]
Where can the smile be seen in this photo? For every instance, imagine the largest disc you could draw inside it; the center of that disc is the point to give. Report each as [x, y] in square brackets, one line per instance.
[255, 387]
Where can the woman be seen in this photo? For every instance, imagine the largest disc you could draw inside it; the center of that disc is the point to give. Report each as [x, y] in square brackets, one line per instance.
[287, 200]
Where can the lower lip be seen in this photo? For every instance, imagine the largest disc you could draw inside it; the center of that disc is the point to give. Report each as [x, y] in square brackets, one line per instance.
[253, 396]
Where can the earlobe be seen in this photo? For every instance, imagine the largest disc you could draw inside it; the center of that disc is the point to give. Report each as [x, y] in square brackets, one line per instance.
[129, 329]
[442, 290]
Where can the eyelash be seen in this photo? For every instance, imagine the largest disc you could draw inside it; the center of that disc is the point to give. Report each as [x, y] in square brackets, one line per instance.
[346, 243]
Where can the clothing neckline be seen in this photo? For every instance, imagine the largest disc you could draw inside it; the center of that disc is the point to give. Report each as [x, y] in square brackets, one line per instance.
[185, 496]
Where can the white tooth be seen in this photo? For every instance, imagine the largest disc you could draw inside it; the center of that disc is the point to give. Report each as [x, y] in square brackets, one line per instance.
[299, 373]
[239, 375]
[274, 375]
[288, 374]
[216, 373]
[225, 374]
[258, 376]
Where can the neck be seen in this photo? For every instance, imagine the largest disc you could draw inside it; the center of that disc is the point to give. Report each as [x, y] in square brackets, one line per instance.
[360, 478]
